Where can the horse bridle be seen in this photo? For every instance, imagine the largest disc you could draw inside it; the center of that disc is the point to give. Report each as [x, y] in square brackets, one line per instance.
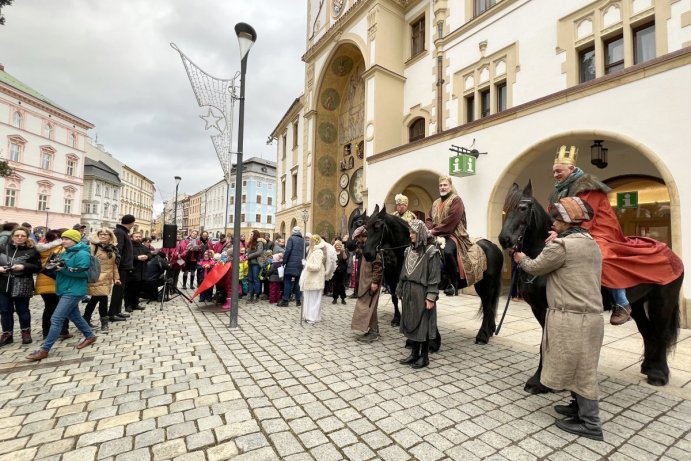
[378, 248]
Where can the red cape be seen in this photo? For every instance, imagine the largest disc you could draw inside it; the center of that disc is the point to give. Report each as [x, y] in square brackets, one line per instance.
[628, 261]
[212, 278]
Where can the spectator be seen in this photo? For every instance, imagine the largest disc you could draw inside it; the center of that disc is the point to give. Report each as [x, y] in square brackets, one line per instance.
[205, 265]
[19, 261]
[104, 247]
[275, 278]
[124, 245]
[135, 278]
[45, 284]
[292, 260]
[339, 278]
[312, 281]
[29, 227]
[255, 252]
[71, 282]
[7, 229]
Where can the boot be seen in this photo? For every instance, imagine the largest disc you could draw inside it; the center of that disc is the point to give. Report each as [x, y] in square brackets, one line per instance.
[423, 361]
[104, 326]
[569, 410]
[6, 339]
[184, 281]
[226, 306]
[620, 314]
[282, 303]
[371, 336]
[414, 355]
[26, 336]
[578, 427]
[192, 281]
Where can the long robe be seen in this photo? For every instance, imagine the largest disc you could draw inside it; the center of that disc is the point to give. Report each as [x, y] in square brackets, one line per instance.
[365, 313]
[626, 261]
[574, 327]
[419, 281]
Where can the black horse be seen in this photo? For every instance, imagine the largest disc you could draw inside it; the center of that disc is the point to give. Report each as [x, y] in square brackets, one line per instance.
[526, 227]
[390, 233]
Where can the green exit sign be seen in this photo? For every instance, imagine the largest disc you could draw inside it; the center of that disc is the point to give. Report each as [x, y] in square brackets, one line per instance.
[462, 165]
[627, 199]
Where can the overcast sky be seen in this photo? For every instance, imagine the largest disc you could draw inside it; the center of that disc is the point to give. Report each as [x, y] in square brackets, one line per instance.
[110, 62]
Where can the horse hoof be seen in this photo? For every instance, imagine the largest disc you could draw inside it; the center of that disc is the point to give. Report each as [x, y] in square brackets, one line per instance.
[536, 389]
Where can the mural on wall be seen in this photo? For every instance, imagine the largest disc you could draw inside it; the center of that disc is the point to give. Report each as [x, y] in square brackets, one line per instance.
[351, 120]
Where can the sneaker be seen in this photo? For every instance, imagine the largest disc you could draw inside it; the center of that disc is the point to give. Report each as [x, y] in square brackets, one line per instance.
[6, 339]
[620, 314]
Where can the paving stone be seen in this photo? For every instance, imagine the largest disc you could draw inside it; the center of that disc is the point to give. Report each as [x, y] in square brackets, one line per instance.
[169, 449]
[100, 436]
[81, 454]
[115, 447]
[200, 439]
[285, 443]
[223, 451]
[149, 438]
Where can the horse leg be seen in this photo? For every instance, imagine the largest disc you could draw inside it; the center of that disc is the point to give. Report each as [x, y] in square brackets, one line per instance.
[488, 307]
[396, 320]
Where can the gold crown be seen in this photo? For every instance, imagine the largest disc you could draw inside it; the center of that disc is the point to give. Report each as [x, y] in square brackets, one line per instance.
[566, 157]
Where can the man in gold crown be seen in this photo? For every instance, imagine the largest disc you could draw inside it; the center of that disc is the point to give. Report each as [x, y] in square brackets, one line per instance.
[462, 259]
[626, 261]
[402, 210]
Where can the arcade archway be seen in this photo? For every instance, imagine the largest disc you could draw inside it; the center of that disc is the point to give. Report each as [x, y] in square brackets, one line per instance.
[421, 187]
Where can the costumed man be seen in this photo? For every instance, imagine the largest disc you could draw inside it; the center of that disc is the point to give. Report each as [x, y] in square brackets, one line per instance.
[418, 288]
[463, 260]
[402, 210]
[371, 273]
[574, 327]
[626, 261]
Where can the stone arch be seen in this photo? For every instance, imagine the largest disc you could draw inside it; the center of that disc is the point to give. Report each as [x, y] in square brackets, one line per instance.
[414, 114]
[346, 39]
[542, 154]
[420, 186]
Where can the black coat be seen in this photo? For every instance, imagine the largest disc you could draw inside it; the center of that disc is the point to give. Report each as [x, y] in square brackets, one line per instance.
[139, 267]
[124, 247]
[11, 255]
[294, 254]
[156, 268]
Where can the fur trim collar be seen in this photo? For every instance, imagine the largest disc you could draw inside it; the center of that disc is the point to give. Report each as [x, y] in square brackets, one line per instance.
[586, 183]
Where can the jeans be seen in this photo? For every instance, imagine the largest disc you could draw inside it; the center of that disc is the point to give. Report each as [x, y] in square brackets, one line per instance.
[619, 296]
[255, 287]
[68, 308]
[8, 306]
[50, 302]
[290, 283]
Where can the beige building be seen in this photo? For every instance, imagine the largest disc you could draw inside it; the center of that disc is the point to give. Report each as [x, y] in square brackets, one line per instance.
[195, 209]
[137, 199]
[392, 85]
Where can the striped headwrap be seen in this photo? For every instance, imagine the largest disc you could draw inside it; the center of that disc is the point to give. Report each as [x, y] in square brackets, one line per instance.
[572, 210]
[420, 229]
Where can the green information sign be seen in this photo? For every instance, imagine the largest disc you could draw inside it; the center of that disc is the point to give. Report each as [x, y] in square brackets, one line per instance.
[627, 199]
[462, 165]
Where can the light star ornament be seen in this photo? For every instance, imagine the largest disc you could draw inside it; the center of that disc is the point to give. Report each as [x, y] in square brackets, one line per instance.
[212, 120]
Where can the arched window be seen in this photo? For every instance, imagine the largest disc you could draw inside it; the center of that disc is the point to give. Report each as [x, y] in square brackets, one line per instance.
[416, 130]
[17, 119]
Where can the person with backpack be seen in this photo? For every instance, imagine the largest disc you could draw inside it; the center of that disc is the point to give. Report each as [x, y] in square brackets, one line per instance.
[49, 250]
[103, 246]
[124, 245]
[71, 286]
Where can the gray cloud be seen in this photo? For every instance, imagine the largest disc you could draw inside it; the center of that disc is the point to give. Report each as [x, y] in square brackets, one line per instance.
[110, 63]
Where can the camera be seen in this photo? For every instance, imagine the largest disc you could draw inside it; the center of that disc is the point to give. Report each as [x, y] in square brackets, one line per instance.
[54, 264]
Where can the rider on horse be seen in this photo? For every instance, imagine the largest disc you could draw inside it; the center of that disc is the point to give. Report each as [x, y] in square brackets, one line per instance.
[626, 261]
[447, 219]
[402, 210]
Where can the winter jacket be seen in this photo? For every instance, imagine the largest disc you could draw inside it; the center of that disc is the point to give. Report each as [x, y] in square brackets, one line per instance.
[5, 237]
[155, 268]
[192, 250]
[220, 246]
[138, 267]
[255, 256]
[293, 256]
[108, 256]
[11, 255]
[72, 279]
[278, 248]
[44, 284]
[124, 247]
[312, 278]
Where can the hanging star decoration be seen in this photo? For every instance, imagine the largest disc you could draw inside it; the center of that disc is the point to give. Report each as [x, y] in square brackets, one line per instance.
[212, 120]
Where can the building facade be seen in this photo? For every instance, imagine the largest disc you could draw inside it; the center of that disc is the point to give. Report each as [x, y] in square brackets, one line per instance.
[195, 210]
[392, 86]
[258, 197]
[137, 199]
[44, 146]
[101, 198]
[215, 214]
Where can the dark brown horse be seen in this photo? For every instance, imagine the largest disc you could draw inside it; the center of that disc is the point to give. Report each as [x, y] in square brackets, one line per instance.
[655, 308]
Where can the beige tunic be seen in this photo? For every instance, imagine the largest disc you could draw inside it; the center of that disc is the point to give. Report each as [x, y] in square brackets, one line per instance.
[574, 327]
[365, 313]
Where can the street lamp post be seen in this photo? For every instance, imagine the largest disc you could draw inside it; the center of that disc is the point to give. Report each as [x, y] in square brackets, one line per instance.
[246, 38]
[305, 218]
[175, 210]
[46, 209]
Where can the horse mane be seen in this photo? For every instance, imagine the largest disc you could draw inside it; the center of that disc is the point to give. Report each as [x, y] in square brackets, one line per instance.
[512, 198]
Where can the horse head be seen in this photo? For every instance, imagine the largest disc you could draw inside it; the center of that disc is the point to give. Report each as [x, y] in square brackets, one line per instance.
[356, 220]
[523, 217]
[385, 232]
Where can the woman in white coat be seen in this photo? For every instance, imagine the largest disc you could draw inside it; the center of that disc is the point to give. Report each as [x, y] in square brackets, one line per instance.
[312, 280]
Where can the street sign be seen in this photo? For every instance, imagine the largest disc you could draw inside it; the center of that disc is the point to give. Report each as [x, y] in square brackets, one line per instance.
[627, 199]
[462, 165]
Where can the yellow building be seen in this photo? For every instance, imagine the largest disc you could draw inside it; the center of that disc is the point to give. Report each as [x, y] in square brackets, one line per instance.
[137, 199]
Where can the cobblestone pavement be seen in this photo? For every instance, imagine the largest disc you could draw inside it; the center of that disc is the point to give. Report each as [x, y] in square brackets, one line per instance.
[178, 384]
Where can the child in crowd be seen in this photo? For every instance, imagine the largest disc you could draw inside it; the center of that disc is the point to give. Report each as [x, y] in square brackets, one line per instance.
[275, 279]
[243, 272]
[264, 274]
[205, 265]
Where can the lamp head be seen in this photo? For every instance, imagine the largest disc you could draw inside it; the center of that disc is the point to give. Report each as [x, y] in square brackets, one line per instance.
[246, 38]
[177, 180]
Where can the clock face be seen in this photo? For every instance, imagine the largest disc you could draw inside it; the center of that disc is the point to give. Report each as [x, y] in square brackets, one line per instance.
[356, 186]
[344, 180]
[337, 7]
[343, 198]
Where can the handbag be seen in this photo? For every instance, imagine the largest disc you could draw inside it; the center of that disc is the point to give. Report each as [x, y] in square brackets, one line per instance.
[281, 271]
[22, 287]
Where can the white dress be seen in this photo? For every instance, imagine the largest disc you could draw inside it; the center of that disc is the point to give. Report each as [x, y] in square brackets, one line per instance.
[312, 284]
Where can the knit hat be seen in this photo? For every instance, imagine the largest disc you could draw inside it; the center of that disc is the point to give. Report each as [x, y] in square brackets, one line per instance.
[401, 199]
[72, 234]
[127, 219]
[572, 210]
[359, 231]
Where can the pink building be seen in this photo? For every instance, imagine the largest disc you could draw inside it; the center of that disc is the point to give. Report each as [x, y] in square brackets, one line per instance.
[45, 146]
